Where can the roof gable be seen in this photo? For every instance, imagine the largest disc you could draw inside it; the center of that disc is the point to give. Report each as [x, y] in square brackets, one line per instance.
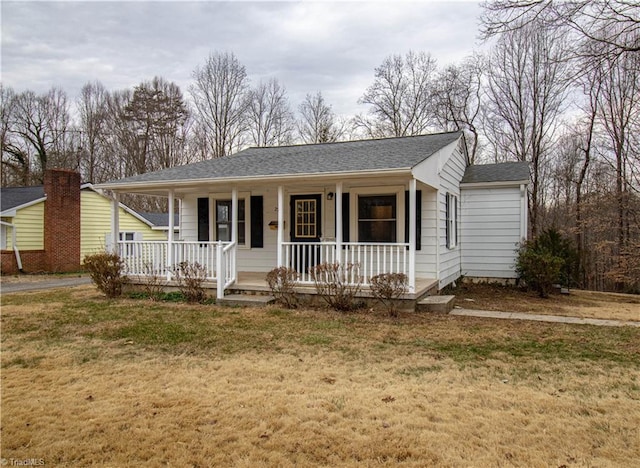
[301, 160]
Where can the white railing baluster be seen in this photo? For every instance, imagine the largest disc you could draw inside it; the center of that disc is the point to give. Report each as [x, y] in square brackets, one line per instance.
[144, 258]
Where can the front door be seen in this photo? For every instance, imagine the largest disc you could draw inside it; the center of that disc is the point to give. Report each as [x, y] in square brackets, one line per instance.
[306, 216]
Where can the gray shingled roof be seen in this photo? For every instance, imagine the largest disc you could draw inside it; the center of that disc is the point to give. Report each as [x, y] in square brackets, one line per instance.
[351, 156]
[12, 197]
[501, 172]
[159, 219]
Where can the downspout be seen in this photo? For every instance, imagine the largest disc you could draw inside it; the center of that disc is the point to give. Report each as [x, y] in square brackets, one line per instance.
[14, 244]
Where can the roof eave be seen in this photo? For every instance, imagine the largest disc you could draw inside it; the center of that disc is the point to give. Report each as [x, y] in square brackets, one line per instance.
[499, 183]
[177, 183]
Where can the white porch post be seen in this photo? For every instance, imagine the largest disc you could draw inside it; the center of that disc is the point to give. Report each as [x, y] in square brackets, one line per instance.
[280, 224]
[338, 204]
[412, 235]
[115, 223]
[234, 215]
[170, 259]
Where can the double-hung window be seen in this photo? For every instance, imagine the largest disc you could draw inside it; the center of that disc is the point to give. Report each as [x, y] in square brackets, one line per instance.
[451, 222]
[377, 218]
[224, 223]
[128, 236]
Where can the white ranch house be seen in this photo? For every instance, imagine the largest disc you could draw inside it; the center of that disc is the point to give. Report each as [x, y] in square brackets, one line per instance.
[412, 205]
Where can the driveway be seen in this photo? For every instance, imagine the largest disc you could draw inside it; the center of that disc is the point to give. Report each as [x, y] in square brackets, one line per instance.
[14, 284]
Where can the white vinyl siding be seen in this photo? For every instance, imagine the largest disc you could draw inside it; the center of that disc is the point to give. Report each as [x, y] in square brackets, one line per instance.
[450, 177]
[491, 231]
[248, 259]
[426, 257]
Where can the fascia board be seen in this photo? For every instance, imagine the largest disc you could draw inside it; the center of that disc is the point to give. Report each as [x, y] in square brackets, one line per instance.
[168, 184]
[504, 183]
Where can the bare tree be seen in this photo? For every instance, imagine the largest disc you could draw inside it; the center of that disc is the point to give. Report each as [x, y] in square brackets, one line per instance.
[456, 99]
[526, 87]
[400, 96]
[122, 140]
[37, 134]
[269, 116]
[220, 98]
[619, 108]
[318, 123]
[614, 24]
[92, 107]
[15, 161]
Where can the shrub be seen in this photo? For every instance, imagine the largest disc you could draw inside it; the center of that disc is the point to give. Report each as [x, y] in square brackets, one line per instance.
[388, 288]
[337, 284]
[190, 277]
[107, 272]
[282, 281]
[154, 284]
[546, 260]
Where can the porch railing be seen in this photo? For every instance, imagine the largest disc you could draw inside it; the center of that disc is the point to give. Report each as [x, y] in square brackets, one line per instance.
[373, 259]
[149, 258]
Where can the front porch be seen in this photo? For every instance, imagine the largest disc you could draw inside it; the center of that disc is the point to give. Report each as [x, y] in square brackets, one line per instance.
[146, 259]
[371, 224]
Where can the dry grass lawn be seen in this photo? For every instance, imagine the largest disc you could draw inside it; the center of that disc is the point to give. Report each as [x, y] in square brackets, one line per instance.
[584, 304]
[87, 381]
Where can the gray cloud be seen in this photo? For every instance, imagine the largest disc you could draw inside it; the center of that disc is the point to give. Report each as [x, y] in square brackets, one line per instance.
[331, 47]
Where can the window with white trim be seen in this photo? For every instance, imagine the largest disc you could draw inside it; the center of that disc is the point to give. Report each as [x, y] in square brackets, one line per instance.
[129, 249]
[127, 236]
[224, 222]
[3, 236]
[377, 218]
[451, 222]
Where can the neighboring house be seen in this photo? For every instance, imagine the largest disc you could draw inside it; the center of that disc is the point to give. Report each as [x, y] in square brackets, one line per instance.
[412, 205]
[52, 227]
[160, 221]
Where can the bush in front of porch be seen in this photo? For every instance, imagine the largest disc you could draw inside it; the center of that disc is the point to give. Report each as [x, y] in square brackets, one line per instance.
[337, 284]
[282, 282]
[107, 272]
[388, 288]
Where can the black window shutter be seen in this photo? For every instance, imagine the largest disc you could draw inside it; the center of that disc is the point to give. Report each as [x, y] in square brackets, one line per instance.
[447, 210]
[345, 217]
[418, 218]
[203, 219]
[257, 221]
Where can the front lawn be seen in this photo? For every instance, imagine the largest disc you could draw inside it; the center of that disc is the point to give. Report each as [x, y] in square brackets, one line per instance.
[120, 383]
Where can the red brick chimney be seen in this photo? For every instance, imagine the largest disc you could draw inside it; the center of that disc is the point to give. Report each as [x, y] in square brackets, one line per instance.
[62, 220]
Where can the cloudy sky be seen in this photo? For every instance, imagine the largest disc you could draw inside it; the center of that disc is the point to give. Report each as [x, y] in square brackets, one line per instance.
[331, 47]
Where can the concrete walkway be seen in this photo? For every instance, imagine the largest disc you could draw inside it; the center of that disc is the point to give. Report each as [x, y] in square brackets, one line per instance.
[33, 284]
[543, 318]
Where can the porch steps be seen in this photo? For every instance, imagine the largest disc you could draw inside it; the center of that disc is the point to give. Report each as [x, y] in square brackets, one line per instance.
[441, 304]
[250, 300]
